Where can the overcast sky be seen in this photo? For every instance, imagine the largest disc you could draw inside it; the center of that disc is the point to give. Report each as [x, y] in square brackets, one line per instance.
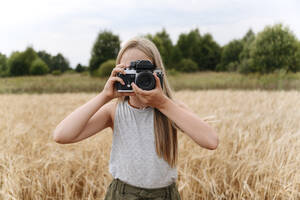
[71, 27]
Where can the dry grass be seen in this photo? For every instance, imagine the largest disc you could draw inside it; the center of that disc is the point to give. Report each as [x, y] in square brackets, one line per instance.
[258, 156]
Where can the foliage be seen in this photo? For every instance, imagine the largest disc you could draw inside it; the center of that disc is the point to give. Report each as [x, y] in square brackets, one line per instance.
[187, 65]
[16, 64]
[70, 71]
[164, 44]
[230, 54]
[247, 40]
[47, 58]
[59, 62]
[80, 68]
[188, 44]
[38, 67]
[19, 62]
[56, 72]
[176, 57]
[210, 53]
[106, 68]
[106, 46]
[274, 48]
[245, 67]
[202, 50]
[3, 65]
[172, 72]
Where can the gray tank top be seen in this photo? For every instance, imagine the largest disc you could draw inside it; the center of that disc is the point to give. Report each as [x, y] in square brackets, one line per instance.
[133, 157]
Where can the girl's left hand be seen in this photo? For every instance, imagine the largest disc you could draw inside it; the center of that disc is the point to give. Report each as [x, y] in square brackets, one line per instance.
[154, 98]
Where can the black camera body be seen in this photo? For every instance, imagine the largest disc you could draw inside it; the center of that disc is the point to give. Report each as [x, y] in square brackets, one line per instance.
[141, 73]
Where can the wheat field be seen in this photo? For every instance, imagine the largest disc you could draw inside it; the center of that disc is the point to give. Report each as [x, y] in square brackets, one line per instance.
[258, 156]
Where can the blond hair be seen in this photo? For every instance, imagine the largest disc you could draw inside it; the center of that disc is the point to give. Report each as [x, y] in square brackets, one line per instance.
[165, 130]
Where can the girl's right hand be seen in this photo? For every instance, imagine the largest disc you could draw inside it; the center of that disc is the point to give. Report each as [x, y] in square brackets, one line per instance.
[109, 89]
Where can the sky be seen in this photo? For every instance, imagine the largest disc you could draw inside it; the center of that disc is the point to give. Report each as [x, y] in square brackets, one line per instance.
[71, 27]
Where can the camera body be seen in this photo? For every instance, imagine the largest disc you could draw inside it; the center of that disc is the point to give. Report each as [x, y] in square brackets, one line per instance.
[141, 73]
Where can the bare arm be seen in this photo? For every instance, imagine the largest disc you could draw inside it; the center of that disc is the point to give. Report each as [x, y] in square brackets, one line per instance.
[83, 122]
[190, 123]
[70, 128]
[184, 118]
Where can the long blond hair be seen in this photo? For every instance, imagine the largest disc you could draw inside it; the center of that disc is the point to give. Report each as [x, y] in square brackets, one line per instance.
[165, 130]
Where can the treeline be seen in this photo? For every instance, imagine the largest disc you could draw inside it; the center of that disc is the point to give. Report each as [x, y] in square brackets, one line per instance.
[274, 48]
[30, 62]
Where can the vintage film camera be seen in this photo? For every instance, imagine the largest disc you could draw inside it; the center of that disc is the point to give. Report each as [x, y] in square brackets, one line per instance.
[141, 73]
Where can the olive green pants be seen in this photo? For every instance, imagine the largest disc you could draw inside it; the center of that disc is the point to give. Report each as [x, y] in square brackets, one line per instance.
[119, 190]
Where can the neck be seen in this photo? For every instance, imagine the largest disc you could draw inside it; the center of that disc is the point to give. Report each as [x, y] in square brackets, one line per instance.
[134, 102]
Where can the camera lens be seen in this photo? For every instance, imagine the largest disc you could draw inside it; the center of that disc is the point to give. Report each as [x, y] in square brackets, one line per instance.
[145, 81]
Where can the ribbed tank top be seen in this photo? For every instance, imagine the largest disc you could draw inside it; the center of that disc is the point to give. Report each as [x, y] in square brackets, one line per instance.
[133, 157]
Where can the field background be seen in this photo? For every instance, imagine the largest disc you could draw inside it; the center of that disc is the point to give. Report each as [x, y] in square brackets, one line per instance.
[70, 82]
[258, 156]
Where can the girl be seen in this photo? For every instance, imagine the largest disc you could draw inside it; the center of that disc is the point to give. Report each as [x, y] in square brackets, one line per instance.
[144, 150]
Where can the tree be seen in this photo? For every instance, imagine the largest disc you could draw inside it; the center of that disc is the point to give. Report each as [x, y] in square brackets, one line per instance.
[47, 58]
[3, 64]
[247, 41]
[275, 47]
[203, 50]
[187, 65]
[106, 46]
[16, 64]
[188, 44]
[230, 54]
[210, 53]
[176, 57]
[29, 56]
[245, 64]
[38, 67]
[106, 68]
[249, 36]
[79, 68]
[60, 63]
[19, 62]
[165, 47]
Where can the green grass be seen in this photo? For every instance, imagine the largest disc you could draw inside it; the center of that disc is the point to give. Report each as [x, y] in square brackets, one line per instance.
[226, 80]
[194, 81]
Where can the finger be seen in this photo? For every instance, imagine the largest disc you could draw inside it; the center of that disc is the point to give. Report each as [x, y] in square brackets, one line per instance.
[115, 78]
[118, 67]
[158, 85]
[121, 65]
[135, 88]
[116, 70]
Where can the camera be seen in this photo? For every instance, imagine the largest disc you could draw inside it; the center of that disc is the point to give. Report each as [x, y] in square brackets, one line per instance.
[141, 73]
